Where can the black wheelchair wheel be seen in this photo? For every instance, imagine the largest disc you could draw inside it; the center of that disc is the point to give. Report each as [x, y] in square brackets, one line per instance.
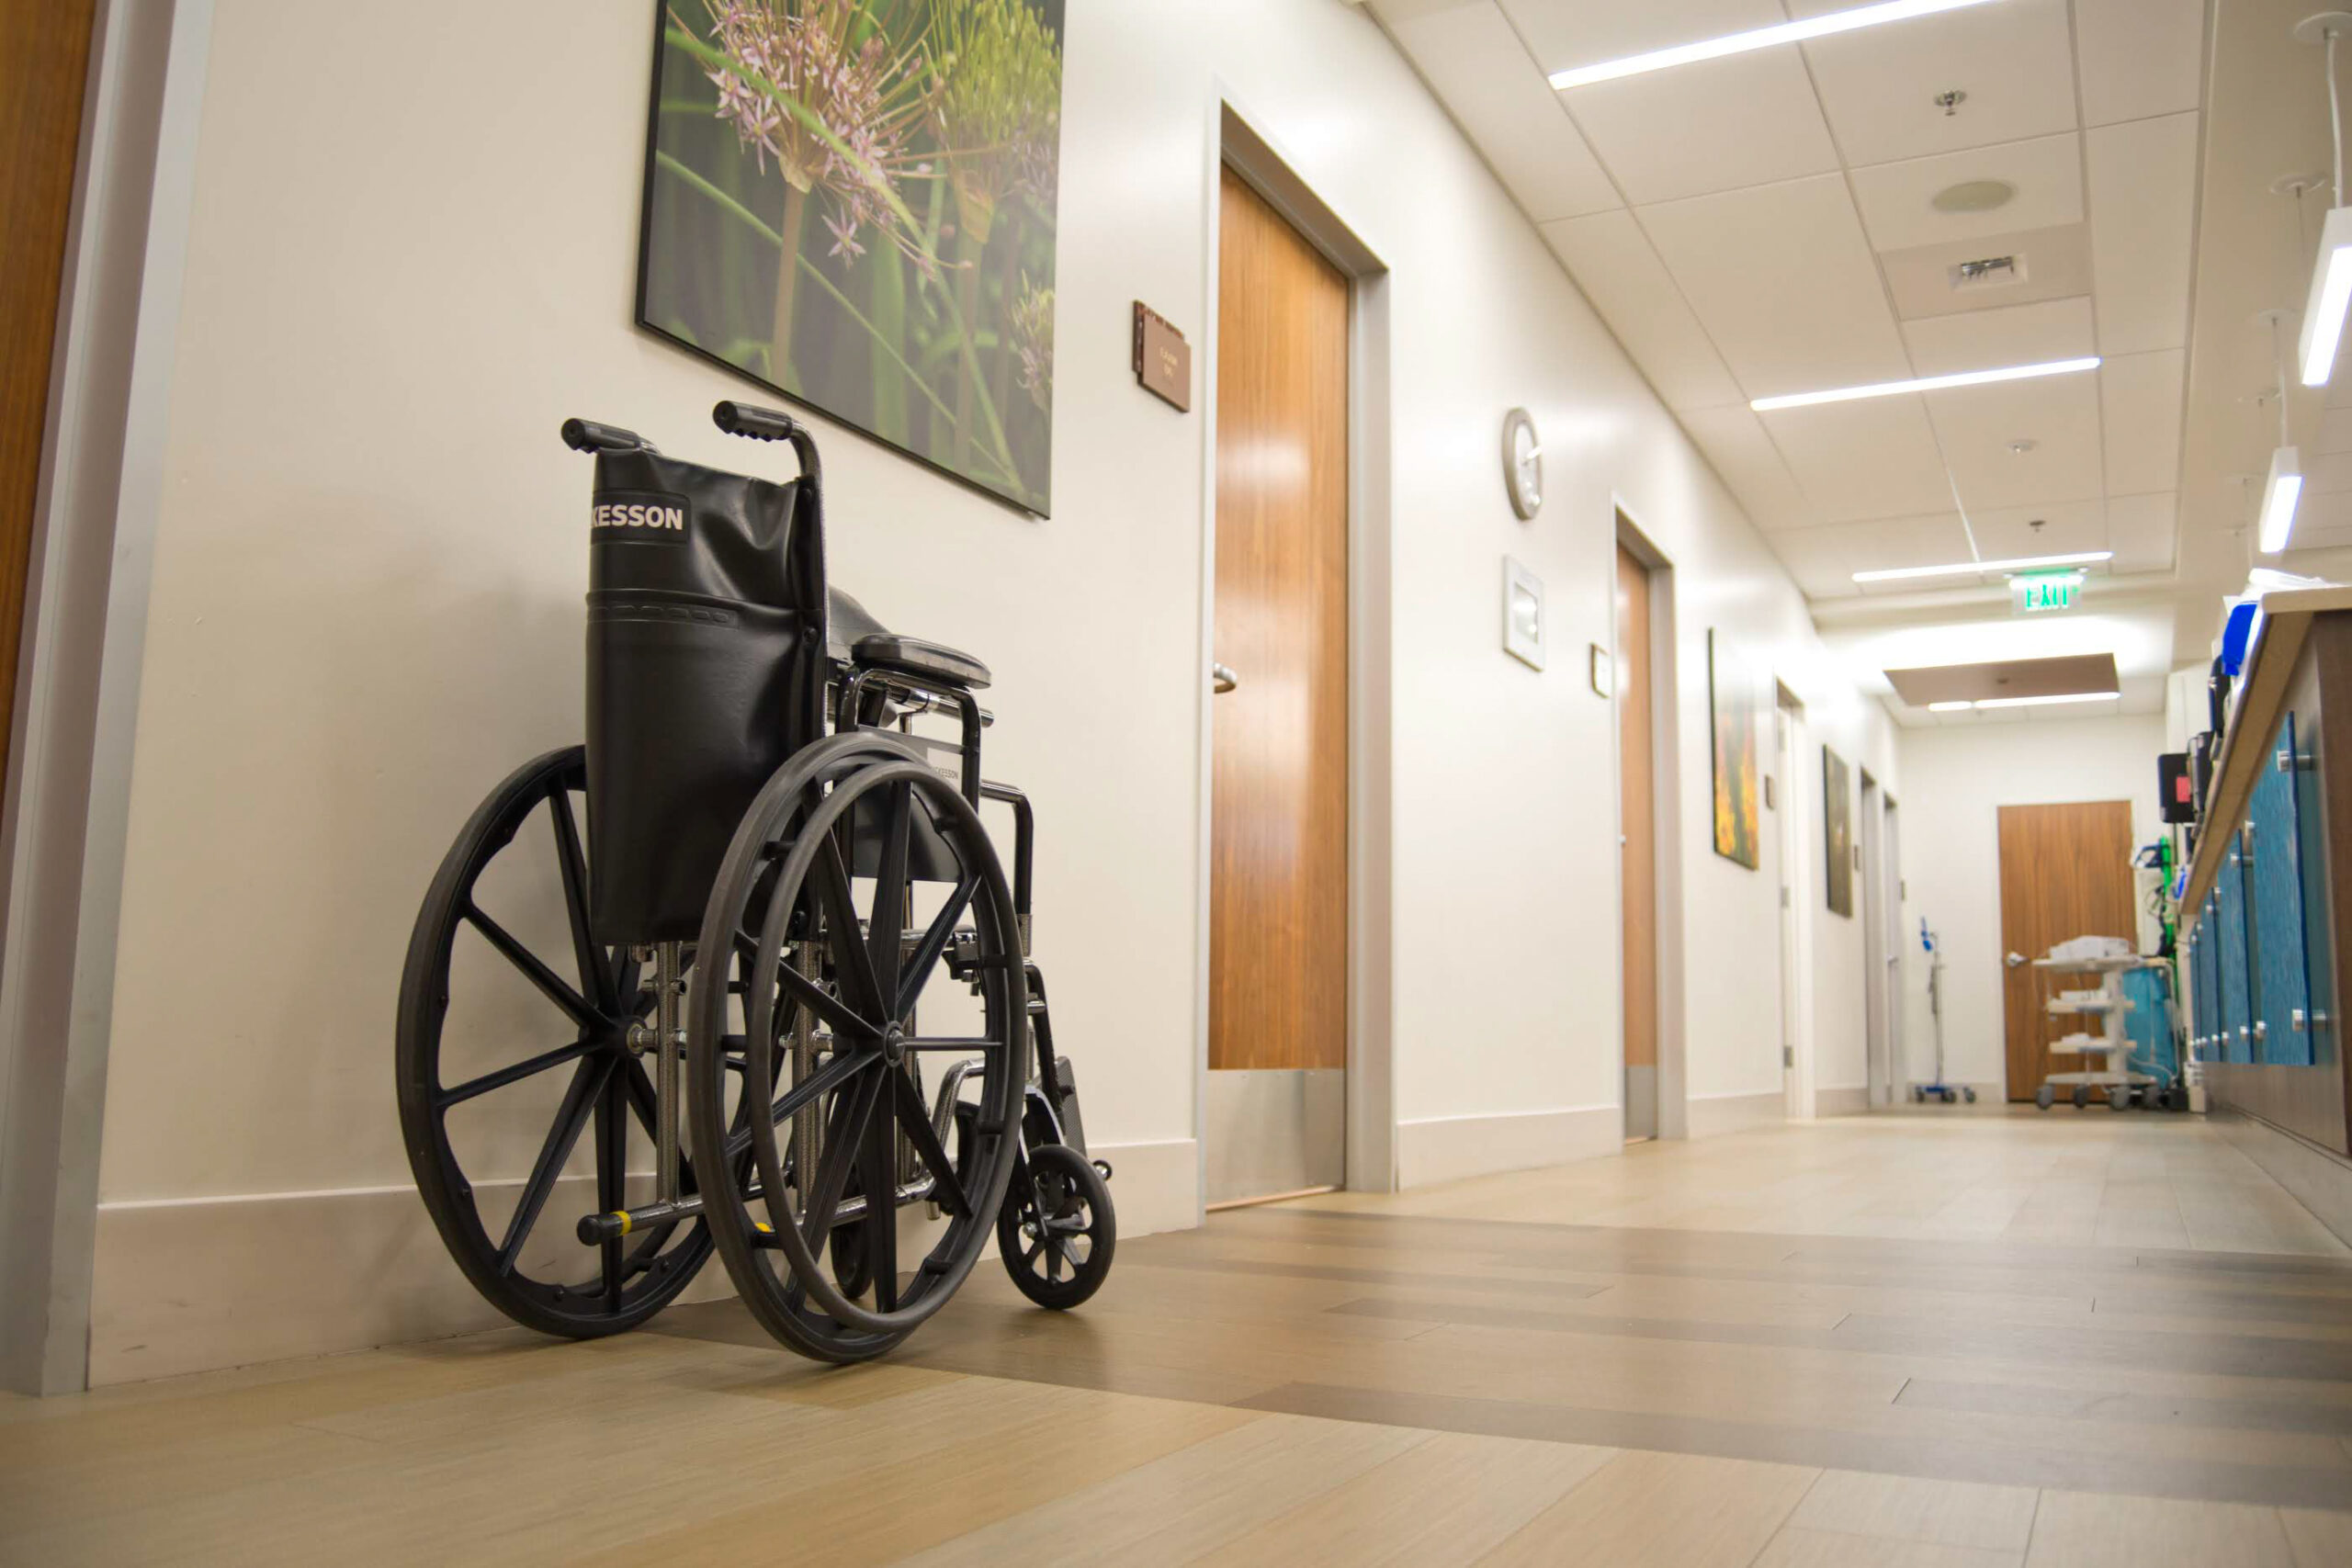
[499, 1090]
[1057, 1238]
[853, 968]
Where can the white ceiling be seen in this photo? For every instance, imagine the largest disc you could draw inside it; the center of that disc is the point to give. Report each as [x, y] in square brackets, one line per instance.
[1765, 224]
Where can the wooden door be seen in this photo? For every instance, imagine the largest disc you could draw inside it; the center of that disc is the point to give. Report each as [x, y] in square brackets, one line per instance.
[2066, 871]
[1278, 892]
[44, 54]
[1636, 820]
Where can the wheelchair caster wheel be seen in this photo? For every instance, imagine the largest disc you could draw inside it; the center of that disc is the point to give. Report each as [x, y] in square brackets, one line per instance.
[2082, 1097]
[2044, 1097]
[1971, 1095]
[1057, 1244]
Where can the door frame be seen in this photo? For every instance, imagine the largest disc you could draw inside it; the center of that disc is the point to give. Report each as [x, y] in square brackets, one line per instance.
[1236, 139]
[1673, 1110]
[68, 795]
[1878, 1078]
[1797, 794]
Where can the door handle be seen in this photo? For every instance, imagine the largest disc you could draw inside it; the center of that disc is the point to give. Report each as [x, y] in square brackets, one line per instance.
[1223, 678]
[2014, 959]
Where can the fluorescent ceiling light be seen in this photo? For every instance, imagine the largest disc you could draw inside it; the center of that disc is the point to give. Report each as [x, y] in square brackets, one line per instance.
[1967, 567]
[2046, 702]
[1762, 38]
[2279, 493]
[1927, 384]
[2025, 702]
[2331, 294]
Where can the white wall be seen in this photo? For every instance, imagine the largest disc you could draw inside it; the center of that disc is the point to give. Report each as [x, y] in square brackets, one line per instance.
[406, 269]
[1956, 779]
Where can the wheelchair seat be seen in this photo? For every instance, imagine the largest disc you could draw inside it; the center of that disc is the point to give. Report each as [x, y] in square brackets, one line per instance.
[857, 636]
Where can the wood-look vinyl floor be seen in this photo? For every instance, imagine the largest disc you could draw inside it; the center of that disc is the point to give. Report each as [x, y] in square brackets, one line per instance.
[1896, 1340]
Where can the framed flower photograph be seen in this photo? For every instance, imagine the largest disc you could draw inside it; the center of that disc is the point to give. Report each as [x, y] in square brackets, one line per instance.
[853, 204]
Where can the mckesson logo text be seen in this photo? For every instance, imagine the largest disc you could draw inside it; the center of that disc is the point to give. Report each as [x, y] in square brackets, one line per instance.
[633, 514]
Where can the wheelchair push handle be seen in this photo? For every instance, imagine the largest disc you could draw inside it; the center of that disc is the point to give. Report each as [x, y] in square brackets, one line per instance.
[770, 424]
[759, 423]
[587, 435]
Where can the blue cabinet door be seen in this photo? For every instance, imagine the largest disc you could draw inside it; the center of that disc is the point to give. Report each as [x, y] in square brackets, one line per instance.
[2274, 886]
[2236, 995]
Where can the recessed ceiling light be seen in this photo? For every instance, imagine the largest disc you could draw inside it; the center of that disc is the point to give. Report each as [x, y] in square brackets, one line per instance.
[1925, 384]
[2281, 492]
[1950, 707]
[1973, 195]
[1967, 567]
[2045, 702]
[1761, 37]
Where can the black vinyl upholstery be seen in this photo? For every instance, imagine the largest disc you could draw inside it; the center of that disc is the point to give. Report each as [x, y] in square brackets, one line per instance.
[857, 635]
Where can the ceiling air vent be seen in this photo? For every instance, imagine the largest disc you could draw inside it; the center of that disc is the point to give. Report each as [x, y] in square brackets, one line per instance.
[1987, 272]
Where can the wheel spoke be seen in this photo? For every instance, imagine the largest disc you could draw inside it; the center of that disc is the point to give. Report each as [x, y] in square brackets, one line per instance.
[831, 1008]
[840, 1152]
[841, 922]
[878, 1175]
[886, 933]
[535, 970]
[935, 938]
[951, 1043]
[586, 1089]
[515, 1074]
[595, 979]
[947, 1188]
[612, 1174]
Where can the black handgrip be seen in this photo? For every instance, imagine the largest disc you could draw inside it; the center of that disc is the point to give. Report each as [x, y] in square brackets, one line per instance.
[587, 435]
[759, 423]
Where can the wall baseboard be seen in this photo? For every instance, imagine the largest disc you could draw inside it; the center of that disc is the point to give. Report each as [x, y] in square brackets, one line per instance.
[1451, 1149]
[2315, 1178]
[190, 1285]
[1853, 1102]
[1715, 1114]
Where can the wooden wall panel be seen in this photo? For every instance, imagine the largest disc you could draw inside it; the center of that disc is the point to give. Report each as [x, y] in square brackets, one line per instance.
[44, 56]
[2066, 871]
[1278, 899]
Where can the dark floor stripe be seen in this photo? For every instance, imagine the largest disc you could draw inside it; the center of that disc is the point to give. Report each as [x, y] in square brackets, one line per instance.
[2128, 1409]
[1934, 1458]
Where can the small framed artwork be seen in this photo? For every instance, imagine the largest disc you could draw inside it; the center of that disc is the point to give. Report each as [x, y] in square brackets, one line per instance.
[1523, 615]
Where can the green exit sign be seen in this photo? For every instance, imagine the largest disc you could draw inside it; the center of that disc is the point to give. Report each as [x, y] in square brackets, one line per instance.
[2032, 593]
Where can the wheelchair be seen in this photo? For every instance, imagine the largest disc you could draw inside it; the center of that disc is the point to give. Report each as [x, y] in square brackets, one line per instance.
[700, 944]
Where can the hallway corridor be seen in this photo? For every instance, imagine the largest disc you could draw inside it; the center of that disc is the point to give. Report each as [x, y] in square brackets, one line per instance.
[1966, 1339]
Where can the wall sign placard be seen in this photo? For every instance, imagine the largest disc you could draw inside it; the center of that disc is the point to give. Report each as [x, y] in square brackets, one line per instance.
[1163, 360]
[1523, 615]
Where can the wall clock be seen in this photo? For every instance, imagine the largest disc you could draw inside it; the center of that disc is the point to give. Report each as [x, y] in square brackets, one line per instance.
[1523, 464]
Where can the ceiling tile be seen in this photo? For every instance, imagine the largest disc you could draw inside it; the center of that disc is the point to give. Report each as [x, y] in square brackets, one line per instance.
[2014, 63]
[2009, 533]
[1782, 278]
[1479, 69]
[2012, 334]
[2140, 58]
[1734, 440]
[1612, 261]
[1858, 460]
[2057, 264]
[2139, 406]
[1716, 126]
[1823, 559]
[1566, 33]
[2141, 531]
[2143, 204]
[2058, 414]
[2326, 473]
[2335, 431]
[1897, 199]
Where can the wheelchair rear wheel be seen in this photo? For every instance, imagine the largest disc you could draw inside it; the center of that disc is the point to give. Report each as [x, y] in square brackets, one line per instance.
[831, 981]
[544, 1079]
